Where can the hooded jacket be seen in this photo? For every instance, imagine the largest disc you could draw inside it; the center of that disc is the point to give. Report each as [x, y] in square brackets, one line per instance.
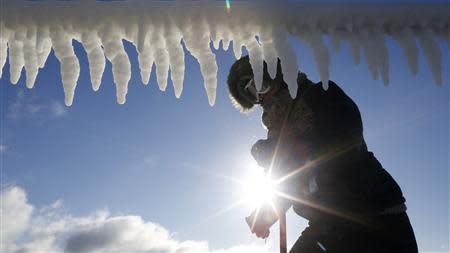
[342, 182]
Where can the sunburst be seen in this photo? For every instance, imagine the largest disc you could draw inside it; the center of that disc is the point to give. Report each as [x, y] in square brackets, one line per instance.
[228, 3]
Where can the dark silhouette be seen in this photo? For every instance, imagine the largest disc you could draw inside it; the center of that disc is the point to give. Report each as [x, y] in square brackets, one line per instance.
[316, 150]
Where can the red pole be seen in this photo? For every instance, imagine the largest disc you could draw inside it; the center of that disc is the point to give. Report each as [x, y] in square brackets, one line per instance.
[283, 240]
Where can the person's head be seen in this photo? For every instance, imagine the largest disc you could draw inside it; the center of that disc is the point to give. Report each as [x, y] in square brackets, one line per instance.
[274, 97]
[242, 87]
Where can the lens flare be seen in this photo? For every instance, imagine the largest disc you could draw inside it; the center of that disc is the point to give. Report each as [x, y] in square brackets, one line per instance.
[228, 3]
[259, 188]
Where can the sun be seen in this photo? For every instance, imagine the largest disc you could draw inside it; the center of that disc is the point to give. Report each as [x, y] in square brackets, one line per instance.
[259, 188]
[228, 3]
[259, 191]
[255, 188]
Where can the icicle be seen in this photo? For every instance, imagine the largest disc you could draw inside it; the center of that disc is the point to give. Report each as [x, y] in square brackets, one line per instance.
[216, 35]
[432, 54]
[335, 40]
[3, 47]
[371, 63]
[31, 62]
[409, 47]
[161, 56]
[96, 58]
[237, 46]
[142, 36]
[3, 54]
[370, 52]
[338, 33]
[321, 55]
[45, 52]
[176, 58]
[197, 42]
[288, 60]
[356, 49]
[216, 43]
[70, 67]
[382, 56]
[226, 40]
[30, 55]
[256, 60]
[16, 60]
[445, 34]
[43, 45]
[42, 34]
[270, 53]
[30, 29]
[144, 50]
[121, 67]
[146, 60]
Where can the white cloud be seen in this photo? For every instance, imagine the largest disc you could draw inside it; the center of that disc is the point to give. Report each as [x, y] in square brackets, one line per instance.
[57, 109]
[15, 108]
[30, 107]
[15, 214]
[3, 148]
[34, 108]
[52, 230]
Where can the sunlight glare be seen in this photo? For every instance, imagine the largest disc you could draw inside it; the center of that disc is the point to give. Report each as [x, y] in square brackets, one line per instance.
[259, 188]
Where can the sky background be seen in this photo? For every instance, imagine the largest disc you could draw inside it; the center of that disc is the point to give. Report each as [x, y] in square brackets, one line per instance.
[167, 159]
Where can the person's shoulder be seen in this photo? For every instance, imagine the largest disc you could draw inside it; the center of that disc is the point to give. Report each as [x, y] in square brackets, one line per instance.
[316, 91]
[332, 92]
[330, 88]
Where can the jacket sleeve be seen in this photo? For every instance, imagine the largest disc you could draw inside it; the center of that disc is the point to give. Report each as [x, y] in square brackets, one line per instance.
[357, 192]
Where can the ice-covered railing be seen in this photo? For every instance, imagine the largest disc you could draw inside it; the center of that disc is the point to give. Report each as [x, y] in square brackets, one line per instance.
[30, 29]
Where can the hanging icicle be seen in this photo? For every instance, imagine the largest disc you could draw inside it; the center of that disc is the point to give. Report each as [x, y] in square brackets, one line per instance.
[30, 29]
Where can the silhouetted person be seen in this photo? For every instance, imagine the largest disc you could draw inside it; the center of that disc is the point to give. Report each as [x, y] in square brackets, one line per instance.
[316, 150]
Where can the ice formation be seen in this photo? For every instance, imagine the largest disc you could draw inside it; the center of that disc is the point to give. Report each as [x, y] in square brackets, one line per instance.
[30, 29]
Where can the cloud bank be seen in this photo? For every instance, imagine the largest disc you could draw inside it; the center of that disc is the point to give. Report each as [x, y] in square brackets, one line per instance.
[30, 29]
[26, 229]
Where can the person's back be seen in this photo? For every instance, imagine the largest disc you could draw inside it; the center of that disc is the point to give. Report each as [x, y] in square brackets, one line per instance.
[351, 202]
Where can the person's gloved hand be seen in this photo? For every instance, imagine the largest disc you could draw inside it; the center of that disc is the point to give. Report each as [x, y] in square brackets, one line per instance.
[261, 221]
[262, 152]
[260, 231]
[290, 153]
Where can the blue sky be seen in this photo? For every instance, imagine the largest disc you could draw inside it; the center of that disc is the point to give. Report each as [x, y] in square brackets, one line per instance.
[161, 158]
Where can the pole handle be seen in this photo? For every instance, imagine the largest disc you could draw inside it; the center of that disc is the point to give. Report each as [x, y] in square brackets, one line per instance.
[283, 239]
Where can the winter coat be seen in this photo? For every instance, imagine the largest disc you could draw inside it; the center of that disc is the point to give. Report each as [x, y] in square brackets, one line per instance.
[352, 203]
[345, 179]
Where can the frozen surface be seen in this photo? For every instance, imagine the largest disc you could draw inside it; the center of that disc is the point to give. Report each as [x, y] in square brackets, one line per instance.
[30, 29]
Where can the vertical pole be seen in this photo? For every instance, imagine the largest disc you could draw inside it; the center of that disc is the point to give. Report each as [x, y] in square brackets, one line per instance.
[283, 240]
